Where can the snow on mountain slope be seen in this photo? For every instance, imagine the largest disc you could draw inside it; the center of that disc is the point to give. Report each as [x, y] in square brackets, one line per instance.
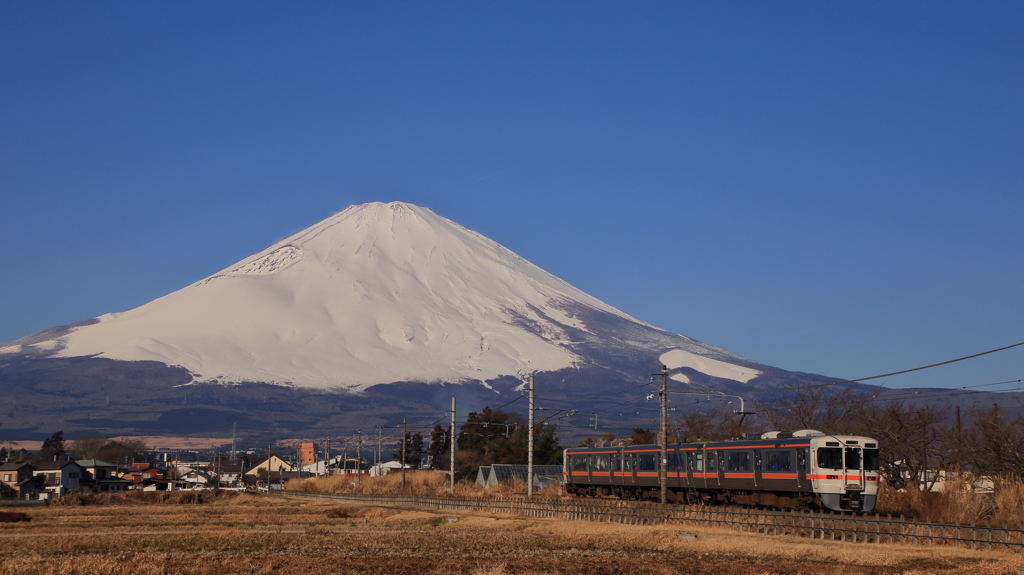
[678, 358]
[377, 293]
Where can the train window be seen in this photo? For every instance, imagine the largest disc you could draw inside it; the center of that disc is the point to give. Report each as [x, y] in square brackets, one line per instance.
[579, 462]
[738, 461]
[712, 461]
[627, 462]
[675, 461]
[853, 458]
[830, 457]
[617, 462]
[647, 462]
[777, 461]
[698, 462]
[599, 463]
[871, 462]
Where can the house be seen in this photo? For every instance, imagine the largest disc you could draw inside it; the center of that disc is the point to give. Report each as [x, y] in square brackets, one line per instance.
[19, 476]
[147, 477]
[146, 472]
[382, 469]
[231, 473]
[272, 465]
[101, 477]
[59, 477]
[195, 478]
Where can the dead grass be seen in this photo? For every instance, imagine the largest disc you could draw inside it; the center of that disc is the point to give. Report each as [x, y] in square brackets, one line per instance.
[426, 483]
[957, 503]
[251, 534]
[78, 498]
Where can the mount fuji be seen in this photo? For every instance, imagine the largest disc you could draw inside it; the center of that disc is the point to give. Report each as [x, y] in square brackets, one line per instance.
[375, 301]
[377, 293]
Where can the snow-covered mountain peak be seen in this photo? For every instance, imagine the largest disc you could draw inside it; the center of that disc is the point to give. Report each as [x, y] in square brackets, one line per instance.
[377, 293]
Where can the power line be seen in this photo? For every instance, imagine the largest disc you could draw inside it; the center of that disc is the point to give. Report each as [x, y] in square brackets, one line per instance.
[886, 374]
[594, 396]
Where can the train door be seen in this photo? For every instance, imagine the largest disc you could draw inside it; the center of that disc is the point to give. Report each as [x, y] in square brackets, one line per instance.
[757, 467]
[801, 469]
[853, 468]
[629, 469]
[711, 469]
[618, 468]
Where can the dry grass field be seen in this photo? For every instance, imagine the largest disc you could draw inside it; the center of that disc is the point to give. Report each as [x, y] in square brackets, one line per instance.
[254, 534]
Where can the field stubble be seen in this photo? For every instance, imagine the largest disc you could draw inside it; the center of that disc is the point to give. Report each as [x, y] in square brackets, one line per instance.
[250, 534]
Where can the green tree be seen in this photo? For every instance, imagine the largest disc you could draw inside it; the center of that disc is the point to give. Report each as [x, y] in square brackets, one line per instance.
[490, 437]
[413, 450]
[440, 447]
[53, 448]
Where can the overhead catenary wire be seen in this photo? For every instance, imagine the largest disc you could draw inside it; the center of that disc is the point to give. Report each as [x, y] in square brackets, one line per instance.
[593, 396]
[861, 379]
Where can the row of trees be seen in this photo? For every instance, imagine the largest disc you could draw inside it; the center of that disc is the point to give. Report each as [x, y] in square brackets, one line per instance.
[88, 446]
[486, 438]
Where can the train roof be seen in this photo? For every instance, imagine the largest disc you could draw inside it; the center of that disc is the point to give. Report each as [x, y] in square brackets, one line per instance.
[728, 444]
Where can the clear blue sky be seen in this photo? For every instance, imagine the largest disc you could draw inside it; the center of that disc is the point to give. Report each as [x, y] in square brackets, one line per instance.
[827, 187]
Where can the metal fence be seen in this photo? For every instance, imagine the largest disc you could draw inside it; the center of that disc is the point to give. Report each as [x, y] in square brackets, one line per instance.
[855, 528]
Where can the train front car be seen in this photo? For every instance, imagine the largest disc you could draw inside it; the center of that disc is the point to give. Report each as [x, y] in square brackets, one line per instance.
[844, 473]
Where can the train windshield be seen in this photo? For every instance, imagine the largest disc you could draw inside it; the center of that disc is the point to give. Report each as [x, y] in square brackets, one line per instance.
[830, 457]
[871, 460]
[853, 458]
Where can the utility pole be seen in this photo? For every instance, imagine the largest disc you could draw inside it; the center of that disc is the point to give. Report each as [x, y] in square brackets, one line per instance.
[359, 457]
[529, 460]
[451, 474]
[959, 444]
[403, 450]
[380, 469]
[234, 429]
[327, 459]
[663, 436]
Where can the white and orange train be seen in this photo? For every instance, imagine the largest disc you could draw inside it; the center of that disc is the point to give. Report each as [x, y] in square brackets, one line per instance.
[794, 469]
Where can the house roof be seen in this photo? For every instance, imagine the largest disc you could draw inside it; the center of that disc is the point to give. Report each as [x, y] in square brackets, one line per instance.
[94, 463]
[54, 465]
[254, 464]
[15, 466]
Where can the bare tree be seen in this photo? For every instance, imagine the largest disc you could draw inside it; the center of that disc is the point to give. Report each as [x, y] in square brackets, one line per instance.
[996, 443]
[712, 421]
[826, 409]
[913, 441]
[87, 446]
